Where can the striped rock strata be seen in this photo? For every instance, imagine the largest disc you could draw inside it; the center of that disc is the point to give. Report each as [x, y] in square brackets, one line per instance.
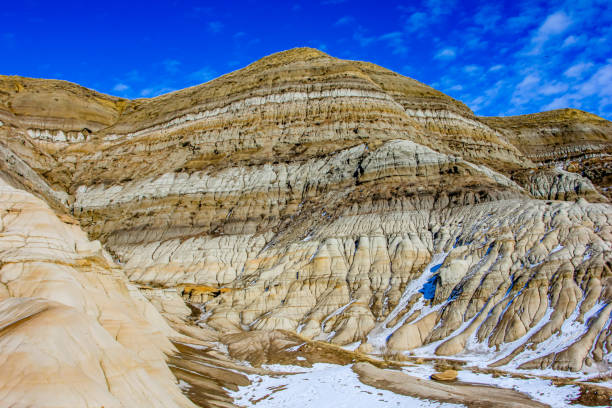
[341, 201]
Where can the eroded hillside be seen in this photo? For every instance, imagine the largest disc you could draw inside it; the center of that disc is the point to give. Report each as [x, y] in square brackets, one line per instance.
[339, 201]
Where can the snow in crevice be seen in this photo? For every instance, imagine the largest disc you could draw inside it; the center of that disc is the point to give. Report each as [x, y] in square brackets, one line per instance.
[378, 336]
[335, 313]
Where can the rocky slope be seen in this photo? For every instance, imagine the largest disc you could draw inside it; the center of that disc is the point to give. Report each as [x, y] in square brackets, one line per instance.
[341, 201]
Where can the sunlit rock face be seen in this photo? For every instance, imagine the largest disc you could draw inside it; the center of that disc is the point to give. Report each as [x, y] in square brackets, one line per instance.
[75, 332]
[341, 201]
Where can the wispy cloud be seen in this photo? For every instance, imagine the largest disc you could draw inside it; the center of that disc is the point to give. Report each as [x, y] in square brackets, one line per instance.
[552, 88]
[554, 25]
[362, 39]
[525, 90]
[394, 40]
[472, 69]
[416, 21]
[447, 54]
[121, 87]
[578, 70]
[571, 40]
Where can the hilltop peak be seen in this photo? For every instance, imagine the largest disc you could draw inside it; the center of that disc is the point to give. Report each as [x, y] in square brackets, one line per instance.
[293, 55]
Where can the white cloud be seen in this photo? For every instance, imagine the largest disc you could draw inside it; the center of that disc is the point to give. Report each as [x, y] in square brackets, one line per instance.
[471, 69]
[120, 87]
[526, 90]
[477, 103]
[597, 90]
[395, 40]
[552, 88]
[554, 24]
[448, 53]
[496, 68]
[599, 84]
[561, 102]
[570, 41]
[578, 70]
[416, 21]
[474, 42]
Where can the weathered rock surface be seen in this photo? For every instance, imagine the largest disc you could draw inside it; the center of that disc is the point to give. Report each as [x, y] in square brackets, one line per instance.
[340, 201]
[75, 332]
[446, 375]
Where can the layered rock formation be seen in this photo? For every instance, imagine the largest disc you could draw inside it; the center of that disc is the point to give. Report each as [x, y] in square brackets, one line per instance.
[340, 201]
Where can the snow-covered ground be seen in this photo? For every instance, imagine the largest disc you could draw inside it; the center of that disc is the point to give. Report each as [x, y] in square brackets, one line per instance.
[538, 389]
[323, 385]
[330, 385]
[327, 385]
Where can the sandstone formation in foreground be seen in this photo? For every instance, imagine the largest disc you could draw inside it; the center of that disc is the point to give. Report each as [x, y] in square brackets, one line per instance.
[332, 199]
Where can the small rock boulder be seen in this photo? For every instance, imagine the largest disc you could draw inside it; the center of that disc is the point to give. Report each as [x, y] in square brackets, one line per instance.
[446, 375]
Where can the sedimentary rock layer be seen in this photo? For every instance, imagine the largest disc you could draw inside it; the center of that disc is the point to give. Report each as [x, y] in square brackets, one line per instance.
[341, 201]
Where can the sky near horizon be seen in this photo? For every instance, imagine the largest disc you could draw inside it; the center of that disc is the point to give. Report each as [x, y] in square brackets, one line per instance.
[500, 58]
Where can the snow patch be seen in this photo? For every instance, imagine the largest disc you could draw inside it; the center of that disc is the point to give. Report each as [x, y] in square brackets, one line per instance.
[323, 385]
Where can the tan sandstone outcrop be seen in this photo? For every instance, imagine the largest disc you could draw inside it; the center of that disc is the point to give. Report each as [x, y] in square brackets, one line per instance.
[75, 332]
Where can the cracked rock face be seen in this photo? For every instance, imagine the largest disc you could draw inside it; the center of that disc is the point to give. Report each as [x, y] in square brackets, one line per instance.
[340, 201]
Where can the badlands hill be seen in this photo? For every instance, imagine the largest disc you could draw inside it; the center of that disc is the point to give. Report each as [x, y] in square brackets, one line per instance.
[332, 199]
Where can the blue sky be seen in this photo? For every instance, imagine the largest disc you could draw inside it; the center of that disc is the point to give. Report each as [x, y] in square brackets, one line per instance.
[500, 58]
